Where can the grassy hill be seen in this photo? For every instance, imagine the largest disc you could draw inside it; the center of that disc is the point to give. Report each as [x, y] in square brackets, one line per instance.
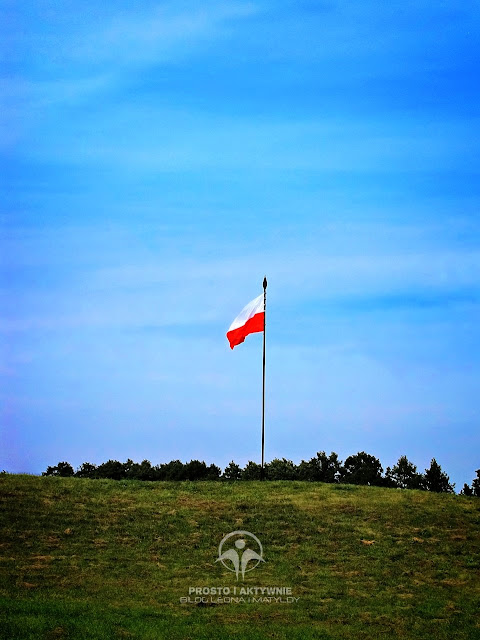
[100, 559]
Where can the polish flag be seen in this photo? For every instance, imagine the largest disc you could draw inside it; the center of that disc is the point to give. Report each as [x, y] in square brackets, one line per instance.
[251, 319]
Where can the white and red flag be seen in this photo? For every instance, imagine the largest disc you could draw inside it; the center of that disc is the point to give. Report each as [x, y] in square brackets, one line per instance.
[251, 319]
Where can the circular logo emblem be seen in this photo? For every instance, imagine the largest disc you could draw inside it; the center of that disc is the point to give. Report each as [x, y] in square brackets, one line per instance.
[239, 549]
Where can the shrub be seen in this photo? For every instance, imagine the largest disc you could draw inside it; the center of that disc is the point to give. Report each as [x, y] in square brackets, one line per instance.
[63, 469]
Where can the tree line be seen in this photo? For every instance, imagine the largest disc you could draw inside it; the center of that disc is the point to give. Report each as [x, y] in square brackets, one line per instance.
[361, 469]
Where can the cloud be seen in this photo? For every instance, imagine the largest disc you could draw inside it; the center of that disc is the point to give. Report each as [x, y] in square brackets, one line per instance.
[157, 139]
[169, 31]
[95, 278]
[69, 61]
[116, 39]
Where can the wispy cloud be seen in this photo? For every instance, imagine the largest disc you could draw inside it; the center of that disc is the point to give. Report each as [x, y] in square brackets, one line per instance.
[189, 141]
[135, 289]
[80, 59]
[160, 34]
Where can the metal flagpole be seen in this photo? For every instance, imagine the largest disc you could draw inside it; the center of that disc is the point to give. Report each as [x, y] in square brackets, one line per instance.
[262, 471]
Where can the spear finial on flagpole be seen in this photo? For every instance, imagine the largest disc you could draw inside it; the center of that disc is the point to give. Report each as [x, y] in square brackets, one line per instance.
[262, 471]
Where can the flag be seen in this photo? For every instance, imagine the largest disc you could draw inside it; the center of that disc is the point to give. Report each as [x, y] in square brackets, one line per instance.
[251, 319]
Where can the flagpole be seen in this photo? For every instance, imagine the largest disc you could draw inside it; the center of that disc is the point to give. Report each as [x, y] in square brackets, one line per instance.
[262, 471]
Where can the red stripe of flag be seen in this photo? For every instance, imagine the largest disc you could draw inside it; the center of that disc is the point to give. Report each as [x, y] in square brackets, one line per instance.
[251, 319]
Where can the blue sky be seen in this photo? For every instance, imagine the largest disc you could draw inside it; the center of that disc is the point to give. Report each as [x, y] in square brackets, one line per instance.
[159, 158]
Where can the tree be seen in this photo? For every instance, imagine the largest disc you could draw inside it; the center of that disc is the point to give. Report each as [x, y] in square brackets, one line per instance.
[321, 468]
[142, 471]
[466, 491]
[112, 469]
[405, 475]
[232, 471]
[195, 470]
[174, 470]
[252, 471]
[213, 472]
[362, 468]
[129, 468]
[476, 484]
[437, 480]
[281, 470]
[86, 470]
[63, 469]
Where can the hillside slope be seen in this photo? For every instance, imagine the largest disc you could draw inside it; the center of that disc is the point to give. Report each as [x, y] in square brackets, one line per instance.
[100, 559]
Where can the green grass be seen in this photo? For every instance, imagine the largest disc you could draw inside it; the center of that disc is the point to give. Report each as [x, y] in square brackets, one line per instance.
[99, 559]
